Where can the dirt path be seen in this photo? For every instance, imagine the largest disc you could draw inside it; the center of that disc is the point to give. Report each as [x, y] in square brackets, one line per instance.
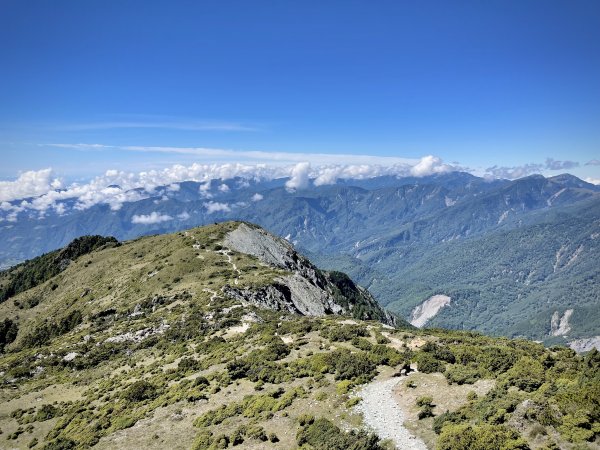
[227, 254]
[382, 414]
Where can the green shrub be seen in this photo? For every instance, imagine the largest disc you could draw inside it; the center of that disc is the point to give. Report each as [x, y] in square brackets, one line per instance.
[461, 374]
[188, 365]
[344, 333]
[60, 443]
[257, 432]
[238, 435]
[203, 440]
[380, 338]
[427, 363]
[46, 412]
[425, 401]
[8, 333]
[350, 366]
[578, 427]
[43, 333]
[139, 391]
[306, 419]
[439, 352]
[425, 412]
[343, 387]
[384, 355]
[221, 441]
[527, 374]
[362, 344]
[123, 422]
[321, 396]
[201, 382]
[353, 402]
[252, 406]
[483, 437]
[447, 417]
[324, 435]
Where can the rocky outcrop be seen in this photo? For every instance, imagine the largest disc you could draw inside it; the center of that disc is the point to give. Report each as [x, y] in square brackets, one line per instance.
[306, 290]
[271, 250]
[291, 293]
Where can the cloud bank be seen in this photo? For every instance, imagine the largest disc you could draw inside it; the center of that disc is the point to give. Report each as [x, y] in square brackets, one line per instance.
[529, 169]
[29, 184]
[40, 192]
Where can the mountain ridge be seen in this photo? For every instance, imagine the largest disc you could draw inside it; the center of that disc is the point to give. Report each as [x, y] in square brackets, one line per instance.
[173, 341]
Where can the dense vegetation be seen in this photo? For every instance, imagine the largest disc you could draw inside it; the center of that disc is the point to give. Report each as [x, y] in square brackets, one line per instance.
[511, 289]
[31, 273]
[8, 333]
[322, 434]
[542, 389]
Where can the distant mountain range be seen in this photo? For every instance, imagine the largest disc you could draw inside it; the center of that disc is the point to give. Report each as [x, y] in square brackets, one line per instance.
[515, 258]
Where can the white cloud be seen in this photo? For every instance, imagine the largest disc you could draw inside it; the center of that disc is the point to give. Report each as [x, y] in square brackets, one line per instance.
[429, 165]
[552, 164]
[257, 197]
[593, 162]
[330, 174]
[116, 187]
[159, 124]
[299, 176]
[250, 156]
[212, 207]
[152, 218]
[595, 181]
[512, 173]
[224, 188]
[183, 216]
[29, 184]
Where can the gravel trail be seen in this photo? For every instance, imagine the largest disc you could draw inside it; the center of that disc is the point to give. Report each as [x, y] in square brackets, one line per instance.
[384, 416]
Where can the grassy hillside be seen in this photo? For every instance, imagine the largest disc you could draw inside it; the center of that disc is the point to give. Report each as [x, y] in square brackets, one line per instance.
[136, 347]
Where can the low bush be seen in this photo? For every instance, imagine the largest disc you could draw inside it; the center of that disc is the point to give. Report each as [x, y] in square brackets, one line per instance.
[140, 391]
[480, 437]
[324, 435]
[459, 374]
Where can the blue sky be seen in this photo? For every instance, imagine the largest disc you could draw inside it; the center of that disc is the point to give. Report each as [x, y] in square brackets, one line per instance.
[481, 84]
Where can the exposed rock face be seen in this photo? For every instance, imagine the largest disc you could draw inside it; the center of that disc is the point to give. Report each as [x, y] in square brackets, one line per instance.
[293, 293]
[428, 309]
[306, 290]
[269, 249]
[585, 345]
[559, 326]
